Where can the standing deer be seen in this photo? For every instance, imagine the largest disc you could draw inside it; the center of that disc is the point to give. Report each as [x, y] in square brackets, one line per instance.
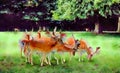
[44, 45]
[24, 41]
[24, 44]
[25, 37]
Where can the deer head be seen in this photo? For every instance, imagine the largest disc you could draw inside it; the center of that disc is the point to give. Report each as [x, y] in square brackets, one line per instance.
[77, 43]
[91, 53]
[73, 44]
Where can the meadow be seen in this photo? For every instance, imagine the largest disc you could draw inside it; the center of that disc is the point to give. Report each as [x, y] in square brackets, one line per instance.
[106, 61]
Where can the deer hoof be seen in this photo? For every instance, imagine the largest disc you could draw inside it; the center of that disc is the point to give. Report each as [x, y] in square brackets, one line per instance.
[50, 64]
[41, 65]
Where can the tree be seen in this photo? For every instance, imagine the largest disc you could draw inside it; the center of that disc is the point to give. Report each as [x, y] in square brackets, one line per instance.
[116, 10]
[32, 12]
[69, 10]
[30, 9]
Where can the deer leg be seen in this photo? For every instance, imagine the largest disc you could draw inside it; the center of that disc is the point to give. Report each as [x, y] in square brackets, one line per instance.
[55, 57]
[26, 53]
[27, 56]
[27, 59]
[49, 58]
[45, 60]
[62, 59]
[79, 55]
[56, 60]
[31, 61]
[42, 59]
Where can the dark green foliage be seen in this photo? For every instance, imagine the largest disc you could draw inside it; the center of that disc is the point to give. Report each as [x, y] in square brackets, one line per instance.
[34, 10]
[71, 9]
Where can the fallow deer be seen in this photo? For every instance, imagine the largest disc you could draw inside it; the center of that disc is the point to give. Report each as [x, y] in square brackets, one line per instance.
[85, 47]
[65, 45]
[26, 36]
[46, 45]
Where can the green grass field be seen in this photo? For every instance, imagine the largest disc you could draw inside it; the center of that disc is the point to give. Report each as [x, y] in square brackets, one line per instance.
[107, 61]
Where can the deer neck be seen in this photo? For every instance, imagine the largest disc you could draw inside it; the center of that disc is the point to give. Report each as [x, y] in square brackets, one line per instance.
[89, 51]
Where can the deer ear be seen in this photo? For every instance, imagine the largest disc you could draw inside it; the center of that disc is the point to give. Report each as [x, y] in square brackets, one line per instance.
[97, 48]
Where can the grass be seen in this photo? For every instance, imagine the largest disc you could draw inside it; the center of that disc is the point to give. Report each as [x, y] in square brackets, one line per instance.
[107, 61]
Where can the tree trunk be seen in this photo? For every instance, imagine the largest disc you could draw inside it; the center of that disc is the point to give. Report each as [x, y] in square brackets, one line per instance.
[96, 30]
[118, 28]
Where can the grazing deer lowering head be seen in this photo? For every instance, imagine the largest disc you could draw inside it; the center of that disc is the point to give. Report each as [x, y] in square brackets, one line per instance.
[91, 53]
[84, 46]
[66, 45]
